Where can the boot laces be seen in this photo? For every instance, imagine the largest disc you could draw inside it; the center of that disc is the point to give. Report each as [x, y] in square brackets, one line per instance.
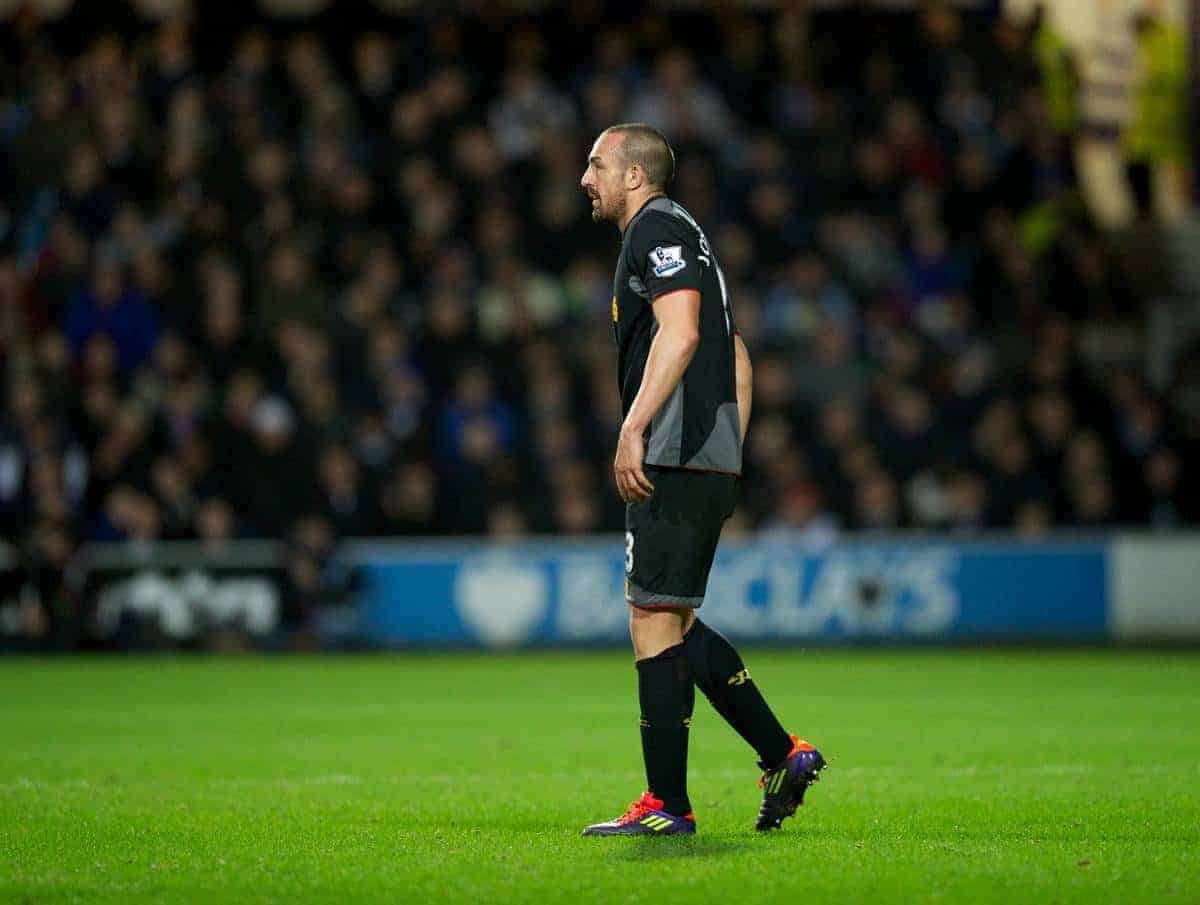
[640, 808]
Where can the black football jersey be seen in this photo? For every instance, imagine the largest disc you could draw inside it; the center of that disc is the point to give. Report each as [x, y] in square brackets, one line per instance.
[664, 250]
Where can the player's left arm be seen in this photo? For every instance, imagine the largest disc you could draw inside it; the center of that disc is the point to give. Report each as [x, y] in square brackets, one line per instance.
[671, 351]
[743, 382]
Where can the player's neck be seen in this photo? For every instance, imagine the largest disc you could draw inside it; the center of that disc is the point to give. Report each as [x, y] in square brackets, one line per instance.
[636, 203]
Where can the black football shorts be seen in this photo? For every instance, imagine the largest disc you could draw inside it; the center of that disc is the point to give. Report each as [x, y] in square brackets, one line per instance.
[670, 539]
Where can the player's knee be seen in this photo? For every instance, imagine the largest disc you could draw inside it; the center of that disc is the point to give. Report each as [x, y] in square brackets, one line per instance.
[653, 631]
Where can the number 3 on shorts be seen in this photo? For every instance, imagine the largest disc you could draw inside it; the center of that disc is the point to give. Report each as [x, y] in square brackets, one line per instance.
[628, 552]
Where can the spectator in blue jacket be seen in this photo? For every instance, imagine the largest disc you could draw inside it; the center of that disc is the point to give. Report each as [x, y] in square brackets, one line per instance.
[108, 305]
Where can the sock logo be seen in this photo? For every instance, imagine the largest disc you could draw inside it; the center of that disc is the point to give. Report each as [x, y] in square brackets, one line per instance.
[741, 677]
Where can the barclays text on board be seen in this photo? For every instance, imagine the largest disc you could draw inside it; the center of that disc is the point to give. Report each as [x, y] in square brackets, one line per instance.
[771, 590]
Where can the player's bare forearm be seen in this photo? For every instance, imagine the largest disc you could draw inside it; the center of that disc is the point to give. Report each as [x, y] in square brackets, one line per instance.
[671, 351]
[670, 354]
[744, 381]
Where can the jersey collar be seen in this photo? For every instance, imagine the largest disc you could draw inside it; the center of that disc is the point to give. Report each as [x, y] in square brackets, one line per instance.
[641, 210]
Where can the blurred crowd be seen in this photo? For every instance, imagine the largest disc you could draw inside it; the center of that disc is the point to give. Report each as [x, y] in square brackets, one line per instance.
[355, 281]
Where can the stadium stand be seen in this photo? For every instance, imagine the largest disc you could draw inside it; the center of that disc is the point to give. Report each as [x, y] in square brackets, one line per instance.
[345, 274]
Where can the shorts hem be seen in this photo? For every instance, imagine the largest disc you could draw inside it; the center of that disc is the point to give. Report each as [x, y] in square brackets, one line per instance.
[651, 600]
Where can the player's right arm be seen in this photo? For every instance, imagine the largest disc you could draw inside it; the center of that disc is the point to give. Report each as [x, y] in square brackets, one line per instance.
[743, 376]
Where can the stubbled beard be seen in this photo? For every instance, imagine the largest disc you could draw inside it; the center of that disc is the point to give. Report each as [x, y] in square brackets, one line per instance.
[609, 213]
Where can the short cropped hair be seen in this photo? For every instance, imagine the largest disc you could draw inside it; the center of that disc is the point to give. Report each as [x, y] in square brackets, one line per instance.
[645, 146]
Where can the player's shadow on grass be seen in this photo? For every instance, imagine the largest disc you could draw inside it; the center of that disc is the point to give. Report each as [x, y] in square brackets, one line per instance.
[665, 849]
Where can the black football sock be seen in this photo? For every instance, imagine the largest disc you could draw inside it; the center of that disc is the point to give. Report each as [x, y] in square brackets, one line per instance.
[725, 681]
[667, 697]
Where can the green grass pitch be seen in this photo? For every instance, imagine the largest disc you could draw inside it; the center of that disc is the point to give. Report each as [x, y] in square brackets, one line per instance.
[956, 776]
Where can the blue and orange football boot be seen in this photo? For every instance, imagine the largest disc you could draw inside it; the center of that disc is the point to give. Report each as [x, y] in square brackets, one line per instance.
[784, 786]
[645, 817]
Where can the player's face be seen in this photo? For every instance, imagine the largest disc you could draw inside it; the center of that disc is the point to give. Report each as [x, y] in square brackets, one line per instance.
[603, 180]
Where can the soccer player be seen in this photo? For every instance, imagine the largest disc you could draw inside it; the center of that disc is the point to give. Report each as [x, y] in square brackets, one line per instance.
[685, 390]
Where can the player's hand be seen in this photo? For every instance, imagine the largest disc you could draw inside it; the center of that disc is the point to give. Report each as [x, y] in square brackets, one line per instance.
[632, 483]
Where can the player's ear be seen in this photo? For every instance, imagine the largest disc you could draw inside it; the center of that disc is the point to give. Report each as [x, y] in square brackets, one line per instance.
[634, 177]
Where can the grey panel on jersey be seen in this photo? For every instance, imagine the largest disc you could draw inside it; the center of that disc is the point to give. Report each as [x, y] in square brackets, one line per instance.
[666, 431]
[723, 447]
